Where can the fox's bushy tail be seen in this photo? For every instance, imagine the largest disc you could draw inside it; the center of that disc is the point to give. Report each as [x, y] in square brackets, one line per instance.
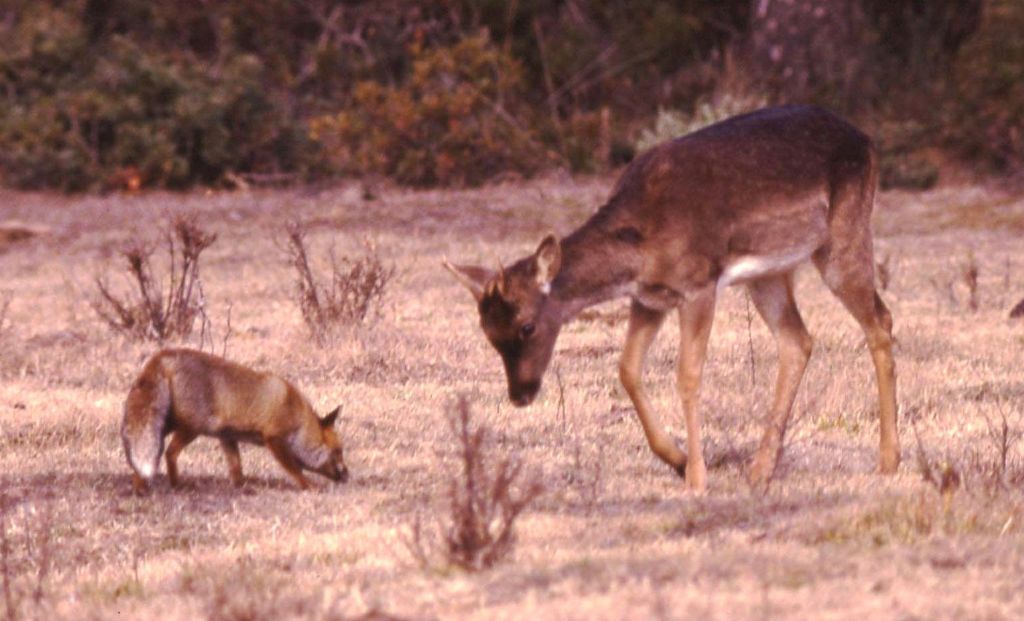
[146, 413]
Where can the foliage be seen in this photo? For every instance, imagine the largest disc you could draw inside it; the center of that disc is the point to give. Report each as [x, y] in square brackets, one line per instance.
[80, 115]
[123, 94]
[985, 117]
[450, 123]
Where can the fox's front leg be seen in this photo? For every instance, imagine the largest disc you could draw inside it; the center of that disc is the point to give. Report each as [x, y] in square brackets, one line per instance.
[280, 450]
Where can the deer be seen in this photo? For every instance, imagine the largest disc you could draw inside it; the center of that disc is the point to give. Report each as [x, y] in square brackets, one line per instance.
[745, 201]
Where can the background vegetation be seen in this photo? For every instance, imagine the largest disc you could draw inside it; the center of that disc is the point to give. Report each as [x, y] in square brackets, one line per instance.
[105, 94]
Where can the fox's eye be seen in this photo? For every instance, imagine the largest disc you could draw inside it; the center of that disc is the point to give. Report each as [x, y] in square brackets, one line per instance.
[526, 331]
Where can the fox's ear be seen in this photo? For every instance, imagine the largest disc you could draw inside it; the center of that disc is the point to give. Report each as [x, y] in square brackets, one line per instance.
[329, 420]
[472, 277]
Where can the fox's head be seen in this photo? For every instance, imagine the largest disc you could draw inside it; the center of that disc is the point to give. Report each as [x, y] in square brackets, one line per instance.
[518, 315]
[332, 459]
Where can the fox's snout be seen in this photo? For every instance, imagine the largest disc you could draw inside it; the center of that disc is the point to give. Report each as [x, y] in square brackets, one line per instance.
[335, 472]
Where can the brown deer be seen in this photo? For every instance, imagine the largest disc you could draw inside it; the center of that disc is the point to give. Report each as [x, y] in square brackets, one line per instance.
[744, 201]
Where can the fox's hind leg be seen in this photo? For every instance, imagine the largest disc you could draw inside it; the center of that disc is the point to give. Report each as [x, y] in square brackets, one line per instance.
[234, 460]
[179, 441]
[139, 485]
[146, 413]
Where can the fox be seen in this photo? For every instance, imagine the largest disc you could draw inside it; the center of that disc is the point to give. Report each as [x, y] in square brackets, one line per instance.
[186, 393]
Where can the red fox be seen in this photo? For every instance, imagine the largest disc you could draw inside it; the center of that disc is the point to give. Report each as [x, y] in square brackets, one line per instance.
[189, 393]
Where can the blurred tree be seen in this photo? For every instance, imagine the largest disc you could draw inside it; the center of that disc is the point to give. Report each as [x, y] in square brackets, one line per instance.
[848, 52]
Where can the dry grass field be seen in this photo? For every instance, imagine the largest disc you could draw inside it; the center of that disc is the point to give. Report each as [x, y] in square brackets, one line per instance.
[614, 535]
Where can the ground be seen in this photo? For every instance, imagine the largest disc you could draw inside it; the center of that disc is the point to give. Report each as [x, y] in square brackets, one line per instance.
[615, 535]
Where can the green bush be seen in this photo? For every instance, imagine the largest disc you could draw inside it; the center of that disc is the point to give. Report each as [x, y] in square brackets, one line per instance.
[985, 119]
[79, 115]
[452, 122]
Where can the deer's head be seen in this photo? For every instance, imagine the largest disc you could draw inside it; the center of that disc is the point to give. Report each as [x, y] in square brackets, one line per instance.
[518, 315]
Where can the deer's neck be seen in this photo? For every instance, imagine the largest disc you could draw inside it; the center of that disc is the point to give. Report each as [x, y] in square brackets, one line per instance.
[594, 270]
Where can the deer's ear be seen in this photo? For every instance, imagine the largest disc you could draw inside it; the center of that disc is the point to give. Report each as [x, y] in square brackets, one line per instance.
[548, 260]
[472, 277]
[328, 421]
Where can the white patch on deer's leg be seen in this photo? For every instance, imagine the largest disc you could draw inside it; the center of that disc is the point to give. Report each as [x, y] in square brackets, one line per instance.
[752, 267]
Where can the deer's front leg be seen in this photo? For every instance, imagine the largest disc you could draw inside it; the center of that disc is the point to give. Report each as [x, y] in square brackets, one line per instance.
[643, 326]
[695, 318]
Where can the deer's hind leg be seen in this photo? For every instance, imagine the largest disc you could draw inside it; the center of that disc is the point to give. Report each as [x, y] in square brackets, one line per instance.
[852, 281]
[773, 298]
[179, 440]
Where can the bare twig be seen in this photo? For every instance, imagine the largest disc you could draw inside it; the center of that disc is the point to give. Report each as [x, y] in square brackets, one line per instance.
[556, 120]
[750, 342]
[969, 272]
[228, 333]
[561, 397]
[5, 306]
[10, 605]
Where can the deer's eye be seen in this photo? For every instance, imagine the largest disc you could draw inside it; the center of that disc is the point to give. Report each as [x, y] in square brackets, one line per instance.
[527, 330]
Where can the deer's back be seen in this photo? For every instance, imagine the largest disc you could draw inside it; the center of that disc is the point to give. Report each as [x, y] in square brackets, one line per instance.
[746, 184]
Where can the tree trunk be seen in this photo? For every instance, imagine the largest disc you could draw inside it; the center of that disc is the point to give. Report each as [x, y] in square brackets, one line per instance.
[810, 49]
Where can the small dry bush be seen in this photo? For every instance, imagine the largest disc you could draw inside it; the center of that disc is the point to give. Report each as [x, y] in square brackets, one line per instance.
[484, 499]
[997, 463]
[155, 308]
[354, 292]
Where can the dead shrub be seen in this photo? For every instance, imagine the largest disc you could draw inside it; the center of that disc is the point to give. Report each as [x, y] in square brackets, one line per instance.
[6, 571]
[969, 273]
[353, 294]
[484, 501]
[997, 465]
[944, 476]
[155, 308]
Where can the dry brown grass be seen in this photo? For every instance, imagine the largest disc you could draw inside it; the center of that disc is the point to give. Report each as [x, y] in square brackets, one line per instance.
[615, 536]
